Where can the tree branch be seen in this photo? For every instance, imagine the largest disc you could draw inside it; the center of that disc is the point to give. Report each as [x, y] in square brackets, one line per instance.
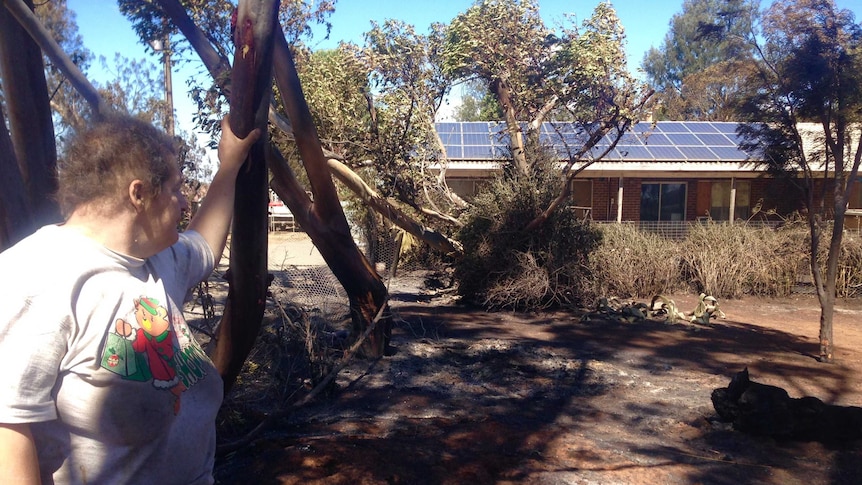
[49, 46]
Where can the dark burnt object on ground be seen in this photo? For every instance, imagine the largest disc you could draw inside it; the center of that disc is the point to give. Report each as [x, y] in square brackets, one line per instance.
[765, 410]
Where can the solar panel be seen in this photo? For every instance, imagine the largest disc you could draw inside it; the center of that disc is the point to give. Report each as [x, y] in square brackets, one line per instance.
[450, 138]
[454, 152]
[599, 149]
[671, 127]
[642, 127]
[630, 139]
[715, 139]
[475, 127]
[702, 127]
[478, 152]
[448, 127]
[684, 139]
[735, 139]
[663, 141]
[477, 139]
[656, 139]
[633, 153]
[666, 153]
[730, 154]
[725, 127]
[699, 154]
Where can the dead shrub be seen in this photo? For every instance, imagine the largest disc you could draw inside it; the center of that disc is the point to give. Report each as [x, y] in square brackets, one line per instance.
[297, 347]
[631, 263]
[731, 260]
[848, 279]
[506, 266]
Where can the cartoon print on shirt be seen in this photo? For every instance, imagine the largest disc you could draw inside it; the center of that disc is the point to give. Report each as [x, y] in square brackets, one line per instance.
[154, 339]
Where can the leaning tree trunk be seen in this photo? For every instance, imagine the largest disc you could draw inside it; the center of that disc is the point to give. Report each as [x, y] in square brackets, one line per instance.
[32, 132]
[324, 219]
[251, 81]
[365, 290]
[503, 92]
[827, 299]
[14, 205]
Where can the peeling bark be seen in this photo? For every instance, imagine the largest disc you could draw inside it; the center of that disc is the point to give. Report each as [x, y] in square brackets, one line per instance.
[251, 81]
[325, 221]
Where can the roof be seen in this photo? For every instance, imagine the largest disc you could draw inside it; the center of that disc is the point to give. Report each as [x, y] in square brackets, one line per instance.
[663, 141]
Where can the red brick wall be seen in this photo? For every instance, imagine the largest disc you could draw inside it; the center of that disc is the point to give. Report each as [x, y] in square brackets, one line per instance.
[776, 194]
[606, 189]
[602, 199]
[631, 199]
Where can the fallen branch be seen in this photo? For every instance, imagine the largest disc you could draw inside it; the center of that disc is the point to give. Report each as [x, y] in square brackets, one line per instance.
[348, 356]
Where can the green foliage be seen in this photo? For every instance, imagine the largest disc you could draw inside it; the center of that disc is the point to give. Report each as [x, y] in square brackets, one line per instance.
[527, 66]
[705, 59]
[477, 104]
[505, 266]
[705, 33]
[810, 71]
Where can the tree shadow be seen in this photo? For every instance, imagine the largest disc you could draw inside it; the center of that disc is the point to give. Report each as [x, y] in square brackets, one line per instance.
[471, 397]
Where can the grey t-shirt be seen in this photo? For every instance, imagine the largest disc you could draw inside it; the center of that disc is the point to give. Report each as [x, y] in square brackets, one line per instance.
[96, 355]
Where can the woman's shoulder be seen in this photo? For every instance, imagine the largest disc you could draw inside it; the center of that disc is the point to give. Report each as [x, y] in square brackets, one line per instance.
[46, 242]
[52, 249]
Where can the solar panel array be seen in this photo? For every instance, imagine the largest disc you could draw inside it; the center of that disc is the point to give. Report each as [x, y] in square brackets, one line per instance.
[664, 141]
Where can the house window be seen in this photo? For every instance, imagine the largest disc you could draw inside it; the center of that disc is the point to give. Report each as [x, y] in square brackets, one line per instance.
[855, 196]
[582, 197]
[663, 202]
[465, 188]
[719, 209]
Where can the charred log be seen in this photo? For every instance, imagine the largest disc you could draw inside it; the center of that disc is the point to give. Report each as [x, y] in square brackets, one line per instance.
[764, 410]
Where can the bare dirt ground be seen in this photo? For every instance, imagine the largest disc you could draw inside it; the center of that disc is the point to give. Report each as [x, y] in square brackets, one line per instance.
[470, 397]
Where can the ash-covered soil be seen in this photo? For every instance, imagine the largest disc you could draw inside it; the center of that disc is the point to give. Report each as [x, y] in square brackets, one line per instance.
[471, 397]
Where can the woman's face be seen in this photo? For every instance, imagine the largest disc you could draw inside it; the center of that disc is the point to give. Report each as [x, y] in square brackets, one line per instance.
[165, 212]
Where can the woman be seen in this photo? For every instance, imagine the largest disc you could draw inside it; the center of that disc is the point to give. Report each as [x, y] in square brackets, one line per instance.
[100, 379]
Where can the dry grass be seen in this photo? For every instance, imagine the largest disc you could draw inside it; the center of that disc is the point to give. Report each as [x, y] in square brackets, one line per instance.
[631, 263]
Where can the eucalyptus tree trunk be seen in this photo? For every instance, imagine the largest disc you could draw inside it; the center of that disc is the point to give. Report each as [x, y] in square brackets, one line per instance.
[323, 219]
[248, 278]
[503, 92]
[31, 131]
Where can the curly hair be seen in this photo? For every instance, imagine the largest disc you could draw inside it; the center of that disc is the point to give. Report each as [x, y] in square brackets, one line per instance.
[101, 161]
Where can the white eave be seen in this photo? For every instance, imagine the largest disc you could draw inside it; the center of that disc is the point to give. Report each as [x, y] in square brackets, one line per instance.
[471, 169]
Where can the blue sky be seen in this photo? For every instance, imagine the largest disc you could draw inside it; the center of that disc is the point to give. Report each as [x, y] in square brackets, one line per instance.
[105, 31]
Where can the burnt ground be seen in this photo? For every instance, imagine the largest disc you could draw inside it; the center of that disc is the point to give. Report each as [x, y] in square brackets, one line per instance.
[474, 397]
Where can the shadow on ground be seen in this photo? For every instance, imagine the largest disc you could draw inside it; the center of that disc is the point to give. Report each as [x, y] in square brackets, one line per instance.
[477, 397]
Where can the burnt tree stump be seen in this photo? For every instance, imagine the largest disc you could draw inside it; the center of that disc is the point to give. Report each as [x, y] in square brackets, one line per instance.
[765, 410]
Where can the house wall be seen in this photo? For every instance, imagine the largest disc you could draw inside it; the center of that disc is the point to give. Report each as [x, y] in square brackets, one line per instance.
[779, 195]
[602, 199]
[631, 199]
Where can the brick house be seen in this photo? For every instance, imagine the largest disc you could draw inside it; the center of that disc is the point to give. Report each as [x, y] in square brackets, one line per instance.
[665, 172]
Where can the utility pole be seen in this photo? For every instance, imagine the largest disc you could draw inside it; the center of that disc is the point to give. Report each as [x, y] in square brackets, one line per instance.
[164, 46]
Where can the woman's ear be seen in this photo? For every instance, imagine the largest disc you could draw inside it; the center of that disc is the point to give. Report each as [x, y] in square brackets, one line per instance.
[136, 194]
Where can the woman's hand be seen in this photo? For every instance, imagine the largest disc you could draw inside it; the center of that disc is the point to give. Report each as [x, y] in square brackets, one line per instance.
[212, 220]
[233, 150]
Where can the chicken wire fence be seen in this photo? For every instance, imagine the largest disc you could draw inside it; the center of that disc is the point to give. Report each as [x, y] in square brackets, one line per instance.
[310, 288]
[305, 325]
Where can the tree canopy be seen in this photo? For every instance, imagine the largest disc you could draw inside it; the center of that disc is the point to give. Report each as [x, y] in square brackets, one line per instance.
[705, 58]
[811, 71]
